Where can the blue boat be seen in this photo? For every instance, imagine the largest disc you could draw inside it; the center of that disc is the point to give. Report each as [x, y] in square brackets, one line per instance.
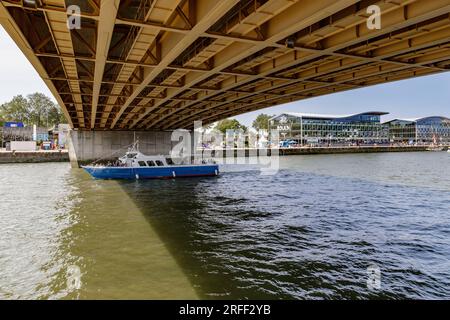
[135, 165]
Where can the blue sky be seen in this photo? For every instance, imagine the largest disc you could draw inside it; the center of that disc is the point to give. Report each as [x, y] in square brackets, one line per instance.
[412, 98]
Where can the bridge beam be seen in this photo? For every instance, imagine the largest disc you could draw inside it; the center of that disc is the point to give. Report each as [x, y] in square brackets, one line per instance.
[108, 13]
[162, 64]
[209, 13]
[22, 43]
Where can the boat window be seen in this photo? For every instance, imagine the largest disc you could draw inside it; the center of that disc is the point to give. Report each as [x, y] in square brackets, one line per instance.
[159, 163]
[131, 155]
[169, 161]
[151, 163]
[142, 163]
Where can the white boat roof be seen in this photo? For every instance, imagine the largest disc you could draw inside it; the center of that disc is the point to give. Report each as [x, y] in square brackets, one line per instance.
[140, 154]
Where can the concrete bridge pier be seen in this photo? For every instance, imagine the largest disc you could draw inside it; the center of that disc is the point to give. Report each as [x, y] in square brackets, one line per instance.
[88, 146]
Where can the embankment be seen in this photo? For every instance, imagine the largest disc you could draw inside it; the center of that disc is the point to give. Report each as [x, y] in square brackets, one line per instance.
[33, 156]
[316, 150]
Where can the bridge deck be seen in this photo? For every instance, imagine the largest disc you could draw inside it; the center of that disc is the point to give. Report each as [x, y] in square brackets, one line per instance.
[161, 64]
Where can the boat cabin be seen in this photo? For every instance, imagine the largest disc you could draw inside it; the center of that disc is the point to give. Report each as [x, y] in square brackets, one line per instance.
[137, 159]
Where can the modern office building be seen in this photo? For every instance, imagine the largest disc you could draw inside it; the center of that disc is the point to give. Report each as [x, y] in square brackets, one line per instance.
[428, 130]
[317, 129]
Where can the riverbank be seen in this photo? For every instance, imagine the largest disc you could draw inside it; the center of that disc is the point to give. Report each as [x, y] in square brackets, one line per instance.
[321, 150]
[353, 149]
[33, 156]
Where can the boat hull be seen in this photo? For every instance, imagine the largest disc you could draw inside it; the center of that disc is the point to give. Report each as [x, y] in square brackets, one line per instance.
[169, 172]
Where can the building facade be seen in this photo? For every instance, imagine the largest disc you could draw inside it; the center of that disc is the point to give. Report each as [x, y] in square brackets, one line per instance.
[426, 131]
[314, 129]
[10, 133]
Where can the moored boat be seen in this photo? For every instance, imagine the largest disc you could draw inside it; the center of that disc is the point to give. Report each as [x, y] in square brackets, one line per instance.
[135, 165]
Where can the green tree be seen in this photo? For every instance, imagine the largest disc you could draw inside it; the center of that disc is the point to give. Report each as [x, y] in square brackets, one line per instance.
[36, 109]
[16, 110]
[230, 124]
[43, 111]
[261, 122]
[55, 116]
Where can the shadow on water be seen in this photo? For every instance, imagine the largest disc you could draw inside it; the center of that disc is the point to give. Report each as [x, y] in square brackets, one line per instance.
[195, 220]
[245, 236]
[232, 248]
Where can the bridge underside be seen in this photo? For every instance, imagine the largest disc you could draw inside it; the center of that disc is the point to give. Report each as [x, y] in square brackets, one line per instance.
[162, 64]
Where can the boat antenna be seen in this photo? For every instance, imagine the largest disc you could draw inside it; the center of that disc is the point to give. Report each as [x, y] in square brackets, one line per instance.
[135, 142]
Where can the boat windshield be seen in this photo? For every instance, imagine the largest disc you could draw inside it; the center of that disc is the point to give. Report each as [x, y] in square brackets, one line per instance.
[131, 155]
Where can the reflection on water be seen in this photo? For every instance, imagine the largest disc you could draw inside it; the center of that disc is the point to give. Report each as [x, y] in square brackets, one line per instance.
[55, 218]
[35, 208]
[310, 231]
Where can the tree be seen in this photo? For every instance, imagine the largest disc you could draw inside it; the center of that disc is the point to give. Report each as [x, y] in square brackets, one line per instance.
[261, 122]
[36, 109]
[43, 111]
[230, 124]
[55, 116]
[16, 110]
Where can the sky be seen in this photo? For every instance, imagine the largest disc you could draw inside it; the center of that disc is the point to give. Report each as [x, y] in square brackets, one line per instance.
[413, 98]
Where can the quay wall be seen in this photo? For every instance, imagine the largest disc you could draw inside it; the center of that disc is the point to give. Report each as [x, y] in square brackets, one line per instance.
[362, 149]
[322, 150]
[33, 156]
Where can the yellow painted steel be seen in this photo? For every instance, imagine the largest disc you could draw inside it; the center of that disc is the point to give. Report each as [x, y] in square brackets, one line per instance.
[162, 64]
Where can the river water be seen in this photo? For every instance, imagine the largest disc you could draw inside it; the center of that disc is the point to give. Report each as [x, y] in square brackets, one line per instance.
[308, 232]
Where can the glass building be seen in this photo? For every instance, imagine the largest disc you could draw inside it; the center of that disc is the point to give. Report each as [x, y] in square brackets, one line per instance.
[316, 129]
[428, 130]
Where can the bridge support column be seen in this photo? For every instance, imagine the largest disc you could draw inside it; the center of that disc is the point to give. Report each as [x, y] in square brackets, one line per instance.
[88, 146]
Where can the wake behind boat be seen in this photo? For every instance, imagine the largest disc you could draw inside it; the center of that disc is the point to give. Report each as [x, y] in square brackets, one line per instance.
[135, 165]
